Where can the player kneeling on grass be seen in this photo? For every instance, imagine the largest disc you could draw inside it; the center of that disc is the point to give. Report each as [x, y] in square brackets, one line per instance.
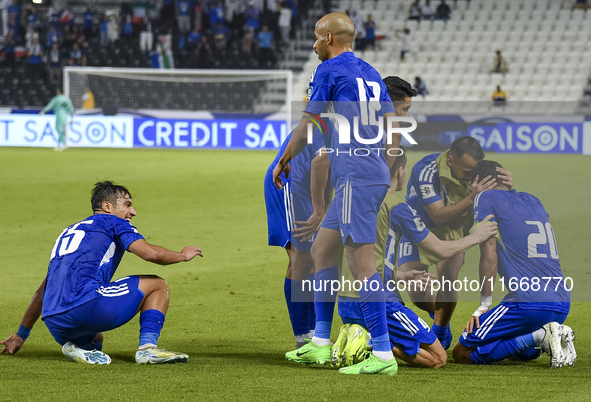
[77, 300]
[528, 320]
[412, 339]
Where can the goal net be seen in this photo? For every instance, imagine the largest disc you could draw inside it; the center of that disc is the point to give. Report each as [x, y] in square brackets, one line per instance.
[216, 91]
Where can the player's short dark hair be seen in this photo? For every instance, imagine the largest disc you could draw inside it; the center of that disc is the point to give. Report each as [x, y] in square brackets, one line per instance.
[106, 191]
[466, 145]
[399, 162]
[399, 89]
[485, 169]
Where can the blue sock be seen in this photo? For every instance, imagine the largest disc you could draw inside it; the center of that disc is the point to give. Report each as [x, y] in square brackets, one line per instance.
[151, 322]
[311, 312]
[297, 306]
[324, 300]
[528, 354]
[504, 350]
[373, 304]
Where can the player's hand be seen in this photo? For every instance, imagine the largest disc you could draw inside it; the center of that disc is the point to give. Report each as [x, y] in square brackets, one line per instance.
[486, 229]
[279, 169]
[475, 320]
[309, 227]
[506, 176]
[191, 252]
[424, 277]
[12, 344]
[478, 186]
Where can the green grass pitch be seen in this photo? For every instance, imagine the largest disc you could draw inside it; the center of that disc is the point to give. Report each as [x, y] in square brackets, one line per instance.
[227, 309]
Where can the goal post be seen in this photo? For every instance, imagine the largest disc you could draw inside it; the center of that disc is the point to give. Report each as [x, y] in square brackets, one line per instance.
[217, 91]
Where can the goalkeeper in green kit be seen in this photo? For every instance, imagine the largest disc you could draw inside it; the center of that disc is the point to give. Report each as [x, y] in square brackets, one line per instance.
[62, 107]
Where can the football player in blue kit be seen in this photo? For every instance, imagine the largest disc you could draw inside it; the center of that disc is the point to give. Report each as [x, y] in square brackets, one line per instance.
[302, 202]
[361, 180]
[78, 300]
[529, 319]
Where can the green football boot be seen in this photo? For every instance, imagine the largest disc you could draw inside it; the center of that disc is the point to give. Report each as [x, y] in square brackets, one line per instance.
[311, 353]
[372, 365]
[356, 349]
[338, 349]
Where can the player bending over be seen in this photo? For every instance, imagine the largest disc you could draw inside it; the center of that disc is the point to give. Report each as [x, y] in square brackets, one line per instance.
[77, 300]
[439, 190]
[527, 321]
[411, 338]
[62, 107]
[360, 183]
[303, 201]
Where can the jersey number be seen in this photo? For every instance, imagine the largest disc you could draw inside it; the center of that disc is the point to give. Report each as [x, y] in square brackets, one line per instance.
[405, 249]
[545, 235]
[369, 106]
[70, 240]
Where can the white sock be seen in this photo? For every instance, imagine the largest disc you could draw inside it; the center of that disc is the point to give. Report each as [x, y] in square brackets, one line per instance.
[300, 338]
[539, 336]
[310, 334]
[387, 356]
[320, 341]
[147, 346]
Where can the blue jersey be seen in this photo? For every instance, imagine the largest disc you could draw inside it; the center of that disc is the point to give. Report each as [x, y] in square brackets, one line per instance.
[184, 8]
[84, 257]
[403, 221]
[350, 84]
[300, 166]
[526, 249]
[424, 187]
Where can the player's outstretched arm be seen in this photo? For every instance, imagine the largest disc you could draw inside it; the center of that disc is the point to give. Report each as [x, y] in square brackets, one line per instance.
[441, 214]
[162, 256]
[297, 143]
[319, 179]
[488, 270]
[445, 249]
[14, 342]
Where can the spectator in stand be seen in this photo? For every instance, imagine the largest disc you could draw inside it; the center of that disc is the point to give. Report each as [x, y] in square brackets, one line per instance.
[415, 11]
[8, 50]
[500, 64]
[197, 15]
[77, 56]
[88, 21]
[427, 11]
[104, 39]
[359, 31]
[154, 58]
[405, 40]
[183, 15]
[370, 33]
[69, 38]
[146, 36]
[54, 64]
[247, 41]
[252, 16]
[194, 39]
[216, 14]
[53, 36]
[221, 36]
[284, 21]
[266, 47]
[79, 35]
[294, 14]
[165, 57]
[35, 53]
[113, 28]
[420, 87]
[14, 18]
[499, 97]
[581, 5]
[31, 34]
[127, 28]
[32, 20]
[235, 10]
[443, 11]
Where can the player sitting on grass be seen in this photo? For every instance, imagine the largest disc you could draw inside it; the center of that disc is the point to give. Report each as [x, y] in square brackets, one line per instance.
[77, 300]
[527, 322]
[412, 339]
[439, 190]
[303, 200]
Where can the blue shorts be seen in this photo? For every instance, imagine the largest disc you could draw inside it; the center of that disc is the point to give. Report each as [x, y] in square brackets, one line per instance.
[301, 211]
[279, 217]
[507, 321]
[407, 330]
[354, 212]
[407, 252]
[116, 303]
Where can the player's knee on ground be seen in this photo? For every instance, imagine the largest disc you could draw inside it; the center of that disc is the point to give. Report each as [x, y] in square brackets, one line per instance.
[461, 354]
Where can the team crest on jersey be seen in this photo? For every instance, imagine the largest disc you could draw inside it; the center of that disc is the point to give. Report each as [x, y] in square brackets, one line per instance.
[427, 191]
